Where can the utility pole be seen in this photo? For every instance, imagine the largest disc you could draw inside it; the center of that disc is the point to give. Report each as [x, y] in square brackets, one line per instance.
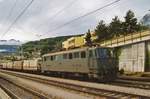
[21, 52]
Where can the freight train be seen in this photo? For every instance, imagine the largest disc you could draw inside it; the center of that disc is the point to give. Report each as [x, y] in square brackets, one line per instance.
[94, 63]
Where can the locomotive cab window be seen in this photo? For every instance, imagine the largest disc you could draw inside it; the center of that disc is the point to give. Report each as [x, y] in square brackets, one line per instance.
[103, 53]
[91, 53]
[83, 54]
[64, 56]
[76, 55]
[70, 55]
[52, 58]
[59, 57]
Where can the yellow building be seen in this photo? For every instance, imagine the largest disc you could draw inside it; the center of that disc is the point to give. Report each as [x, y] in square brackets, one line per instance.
[65, 44]
[79, 41]
[73, 42]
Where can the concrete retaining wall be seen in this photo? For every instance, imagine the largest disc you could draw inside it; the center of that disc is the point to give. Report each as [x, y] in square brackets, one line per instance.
[147, 64]
[132, 57]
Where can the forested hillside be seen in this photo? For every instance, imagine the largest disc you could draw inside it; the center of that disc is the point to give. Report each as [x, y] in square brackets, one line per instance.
[44, 45]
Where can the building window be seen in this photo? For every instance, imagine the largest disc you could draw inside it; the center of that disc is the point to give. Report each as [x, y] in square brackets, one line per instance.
[83, 54]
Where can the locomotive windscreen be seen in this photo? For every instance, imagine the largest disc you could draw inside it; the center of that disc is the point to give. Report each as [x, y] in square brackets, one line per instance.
[103, 53]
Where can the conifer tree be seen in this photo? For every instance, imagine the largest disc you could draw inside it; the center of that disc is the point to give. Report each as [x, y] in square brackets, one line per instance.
[101, 31]
[130, 25]
[88, 38]
[115, 27]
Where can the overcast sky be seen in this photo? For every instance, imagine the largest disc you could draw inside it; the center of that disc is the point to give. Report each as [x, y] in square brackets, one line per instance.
[42, 17]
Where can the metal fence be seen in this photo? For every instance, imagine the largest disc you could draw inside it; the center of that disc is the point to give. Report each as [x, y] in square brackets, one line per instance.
[128, 39]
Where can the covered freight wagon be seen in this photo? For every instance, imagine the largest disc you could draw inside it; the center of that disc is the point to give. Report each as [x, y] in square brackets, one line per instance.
[31, 65]
[9, 65]
[26, 64]
[4, 65]
[1, 65]
[18, 65]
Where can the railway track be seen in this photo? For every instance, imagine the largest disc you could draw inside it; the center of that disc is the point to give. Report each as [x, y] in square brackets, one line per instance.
[112, 94]
[145, 79]
[131, 83]
[16, 91]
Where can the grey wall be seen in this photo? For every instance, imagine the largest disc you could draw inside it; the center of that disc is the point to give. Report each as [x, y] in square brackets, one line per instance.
[147, 64]
[132, 57]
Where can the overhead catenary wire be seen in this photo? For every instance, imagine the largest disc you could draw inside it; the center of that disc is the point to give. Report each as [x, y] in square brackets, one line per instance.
[25, 31]
[17, 18]
[83, 15]
[80, 17]
[58, 12]
[53, 17]
[11, 11]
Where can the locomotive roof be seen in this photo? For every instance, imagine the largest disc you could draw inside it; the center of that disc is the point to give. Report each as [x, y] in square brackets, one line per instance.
[72, 50]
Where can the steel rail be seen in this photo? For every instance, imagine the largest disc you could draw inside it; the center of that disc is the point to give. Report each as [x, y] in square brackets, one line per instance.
[14, 96]
[131, 83]
[80, 88]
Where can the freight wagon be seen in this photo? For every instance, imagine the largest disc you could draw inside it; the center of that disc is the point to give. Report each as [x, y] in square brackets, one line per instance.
[9, 65]
[18, 65]
[31, 65]
[4, 65]
[26, 65]
[1, 65]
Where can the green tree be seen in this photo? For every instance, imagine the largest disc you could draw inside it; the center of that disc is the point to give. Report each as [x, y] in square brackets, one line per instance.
[46, 49]
[115, 27]
[130, 25]
[101, 31]
[142, 27]
[88, 38]
[58, 46]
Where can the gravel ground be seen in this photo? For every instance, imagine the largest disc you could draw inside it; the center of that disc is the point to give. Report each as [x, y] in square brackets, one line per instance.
[3, 95]
[51, 91]
[129, 90]
[18, 91]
